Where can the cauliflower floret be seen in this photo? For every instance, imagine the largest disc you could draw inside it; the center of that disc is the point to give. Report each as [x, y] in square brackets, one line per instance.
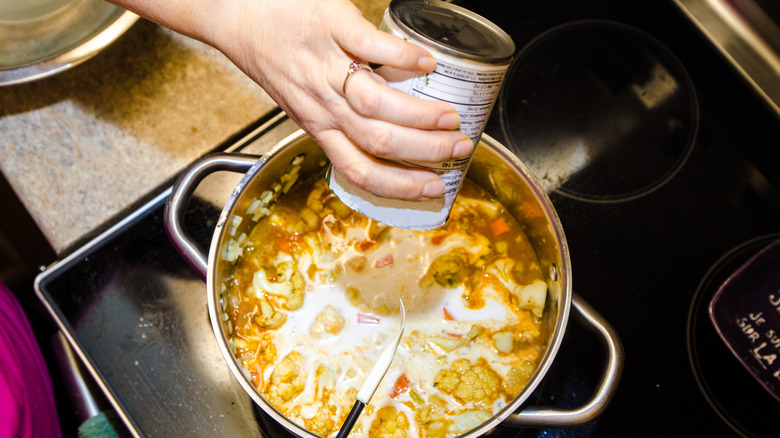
[261, 351]
[322, 422]
[448, 270]
[339, 208]
[389, 423]
[317, 194]
[501, 268]
[268, 317]
[432, 421]
[345, 402]
[530, 297]
[327, 321]
[287, 380]
[476, 383]
[286, 282]
[266, 351]
[241, 348]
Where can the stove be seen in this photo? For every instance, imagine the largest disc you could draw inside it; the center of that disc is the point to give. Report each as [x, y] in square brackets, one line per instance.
[663, 165]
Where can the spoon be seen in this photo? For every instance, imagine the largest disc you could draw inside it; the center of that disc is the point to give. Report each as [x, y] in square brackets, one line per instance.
[373, 379]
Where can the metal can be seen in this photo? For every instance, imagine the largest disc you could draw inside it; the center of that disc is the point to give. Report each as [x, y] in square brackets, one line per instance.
[472, 56]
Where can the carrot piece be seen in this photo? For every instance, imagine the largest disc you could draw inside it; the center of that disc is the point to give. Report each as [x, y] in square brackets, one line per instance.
[283, 244]
[532, 210]
[255, 378]
[401, 386]
[447, 315]
[499, 226]
[437, 240]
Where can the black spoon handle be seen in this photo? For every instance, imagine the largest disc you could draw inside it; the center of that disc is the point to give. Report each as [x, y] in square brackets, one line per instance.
[346, 427]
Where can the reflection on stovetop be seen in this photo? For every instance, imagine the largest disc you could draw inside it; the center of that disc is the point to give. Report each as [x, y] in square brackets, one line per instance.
[639, 262]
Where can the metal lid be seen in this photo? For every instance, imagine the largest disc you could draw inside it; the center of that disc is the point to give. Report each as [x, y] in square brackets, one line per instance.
[453, 29]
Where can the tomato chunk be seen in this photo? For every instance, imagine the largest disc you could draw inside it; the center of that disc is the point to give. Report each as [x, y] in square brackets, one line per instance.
[363, 318]
[384, 261]
[401, 386]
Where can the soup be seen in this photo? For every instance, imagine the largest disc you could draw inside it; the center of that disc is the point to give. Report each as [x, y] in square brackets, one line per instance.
[314, 293]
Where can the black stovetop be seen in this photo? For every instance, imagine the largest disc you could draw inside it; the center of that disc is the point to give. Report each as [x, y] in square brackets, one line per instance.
[649, 261]
[652, 260]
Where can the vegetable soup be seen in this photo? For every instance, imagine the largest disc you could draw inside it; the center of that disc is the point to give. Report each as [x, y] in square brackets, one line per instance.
[313, 298]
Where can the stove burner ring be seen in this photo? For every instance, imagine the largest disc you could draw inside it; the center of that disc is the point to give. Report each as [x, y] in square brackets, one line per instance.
[730, 390]
[599, 111]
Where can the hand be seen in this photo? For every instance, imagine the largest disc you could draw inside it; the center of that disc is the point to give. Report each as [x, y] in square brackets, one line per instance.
[300, 51]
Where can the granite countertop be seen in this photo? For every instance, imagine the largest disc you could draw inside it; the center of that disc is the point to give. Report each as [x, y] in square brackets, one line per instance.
[81, 146]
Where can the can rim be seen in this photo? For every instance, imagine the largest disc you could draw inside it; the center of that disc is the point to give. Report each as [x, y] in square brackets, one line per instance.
[505, 46]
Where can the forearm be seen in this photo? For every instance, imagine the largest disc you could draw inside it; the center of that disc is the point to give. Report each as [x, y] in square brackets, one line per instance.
[299, 51]
[198, 19]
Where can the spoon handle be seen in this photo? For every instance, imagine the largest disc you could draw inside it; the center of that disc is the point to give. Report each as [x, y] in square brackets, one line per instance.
[352, 417]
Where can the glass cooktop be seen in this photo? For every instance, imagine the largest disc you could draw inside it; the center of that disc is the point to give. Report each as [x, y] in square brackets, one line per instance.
[661, 163]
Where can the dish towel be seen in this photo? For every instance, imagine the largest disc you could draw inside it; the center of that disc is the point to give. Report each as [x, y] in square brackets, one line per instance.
[27, 407]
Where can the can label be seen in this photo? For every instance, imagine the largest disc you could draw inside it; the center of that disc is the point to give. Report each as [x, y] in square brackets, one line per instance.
[472, 88]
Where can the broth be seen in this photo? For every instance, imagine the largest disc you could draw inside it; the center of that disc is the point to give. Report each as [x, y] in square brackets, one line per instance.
[314, 295]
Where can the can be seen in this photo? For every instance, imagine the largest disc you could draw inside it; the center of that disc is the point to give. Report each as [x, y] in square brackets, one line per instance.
[473, 56]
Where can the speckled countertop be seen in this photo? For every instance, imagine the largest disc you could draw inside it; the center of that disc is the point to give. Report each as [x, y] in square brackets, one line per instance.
[79, 147]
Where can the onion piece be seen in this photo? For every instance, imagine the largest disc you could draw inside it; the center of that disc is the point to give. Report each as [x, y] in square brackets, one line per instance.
[468, 420]
[505, 342]
[532, 297]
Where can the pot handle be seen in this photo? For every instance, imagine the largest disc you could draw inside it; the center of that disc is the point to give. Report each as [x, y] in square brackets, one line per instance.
[182, 192]
[552, 417]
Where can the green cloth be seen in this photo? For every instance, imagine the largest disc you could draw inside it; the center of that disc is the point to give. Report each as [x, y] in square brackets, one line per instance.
[103, 425]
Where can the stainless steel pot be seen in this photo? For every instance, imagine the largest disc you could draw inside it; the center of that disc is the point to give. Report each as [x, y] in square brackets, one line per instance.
[495, 169]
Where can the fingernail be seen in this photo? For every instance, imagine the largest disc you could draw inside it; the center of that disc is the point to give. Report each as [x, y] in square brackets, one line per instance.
[426, 64]
[433, 189]
[449, 120]
[463, 148]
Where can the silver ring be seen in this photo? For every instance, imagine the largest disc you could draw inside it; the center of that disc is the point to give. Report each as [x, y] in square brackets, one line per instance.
[353, 67]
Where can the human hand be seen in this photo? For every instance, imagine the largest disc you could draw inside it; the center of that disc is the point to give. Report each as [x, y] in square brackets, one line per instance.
[300, 52]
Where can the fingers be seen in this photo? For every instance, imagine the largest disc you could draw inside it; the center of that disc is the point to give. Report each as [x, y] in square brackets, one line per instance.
[365, 41]
[359, 121]
[370, 97]
[391, 124]
[399, 143]
[380, 177]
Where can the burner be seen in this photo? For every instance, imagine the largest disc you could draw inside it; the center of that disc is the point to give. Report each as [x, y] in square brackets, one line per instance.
[599, 111]
[728, 387]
